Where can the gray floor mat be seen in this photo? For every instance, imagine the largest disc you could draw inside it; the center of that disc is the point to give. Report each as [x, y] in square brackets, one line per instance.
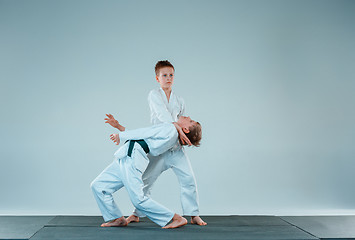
[21, 227]
[325, 227]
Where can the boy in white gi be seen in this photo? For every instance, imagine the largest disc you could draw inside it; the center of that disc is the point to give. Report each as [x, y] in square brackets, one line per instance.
[130, 163]
[167, 107]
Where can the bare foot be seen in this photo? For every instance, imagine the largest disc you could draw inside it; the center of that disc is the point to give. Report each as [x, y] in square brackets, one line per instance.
[197, 220]
[118, 222]
[132, 218]
[178, 221]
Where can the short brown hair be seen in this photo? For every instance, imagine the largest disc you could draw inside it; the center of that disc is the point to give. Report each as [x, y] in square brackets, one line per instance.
[162, 64]
[195, 134]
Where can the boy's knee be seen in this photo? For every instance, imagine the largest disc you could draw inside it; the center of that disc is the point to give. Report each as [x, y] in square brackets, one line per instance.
[94, 186]
[139, 201]
[149, 181]
[188, 182]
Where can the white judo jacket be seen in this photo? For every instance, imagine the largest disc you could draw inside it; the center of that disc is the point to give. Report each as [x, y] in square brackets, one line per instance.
[159, 138]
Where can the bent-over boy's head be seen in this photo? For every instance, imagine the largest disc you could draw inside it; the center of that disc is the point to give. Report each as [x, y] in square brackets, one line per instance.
[164, 74]
[192, 129]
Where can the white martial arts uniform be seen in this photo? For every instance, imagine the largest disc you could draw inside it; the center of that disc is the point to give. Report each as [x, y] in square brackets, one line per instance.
[176, 158]
[127, 171]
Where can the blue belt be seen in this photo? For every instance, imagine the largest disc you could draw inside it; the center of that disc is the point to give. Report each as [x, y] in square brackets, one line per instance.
[141, 142]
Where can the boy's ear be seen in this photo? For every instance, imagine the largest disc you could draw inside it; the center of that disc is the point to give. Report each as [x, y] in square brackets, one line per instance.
[186, 130]
[156, 77]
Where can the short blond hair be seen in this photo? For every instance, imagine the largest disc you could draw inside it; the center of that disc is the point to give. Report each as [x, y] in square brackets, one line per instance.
[195, 134]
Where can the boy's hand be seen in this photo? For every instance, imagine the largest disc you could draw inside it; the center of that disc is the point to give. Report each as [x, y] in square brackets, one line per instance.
[183, 138]
[114, 123]
[111, 120]
[115, 138]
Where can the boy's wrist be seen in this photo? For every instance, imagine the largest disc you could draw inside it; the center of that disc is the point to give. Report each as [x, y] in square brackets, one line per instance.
[120, 127]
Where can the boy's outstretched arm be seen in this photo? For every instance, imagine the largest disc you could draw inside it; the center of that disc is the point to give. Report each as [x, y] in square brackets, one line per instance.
[114, 123]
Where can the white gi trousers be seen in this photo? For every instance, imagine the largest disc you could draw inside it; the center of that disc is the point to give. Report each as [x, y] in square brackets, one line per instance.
[180, 164]
[127, 172]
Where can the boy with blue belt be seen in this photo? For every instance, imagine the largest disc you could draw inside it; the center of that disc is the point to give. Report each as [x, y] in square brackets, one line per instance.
[130, 163]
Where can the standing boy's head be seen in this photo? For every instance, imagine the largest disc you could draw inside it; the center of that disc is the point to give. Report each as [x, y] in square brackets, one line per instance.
[164, 74]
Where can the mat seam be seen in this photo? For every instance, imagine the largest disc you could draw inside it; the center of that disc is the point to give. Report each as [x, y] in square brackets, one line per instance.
[41, 228]
[300, 228]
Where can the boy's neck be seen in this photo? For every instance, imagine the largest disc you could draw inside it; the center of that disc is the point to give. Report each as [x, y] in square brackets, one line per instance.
[167, 92]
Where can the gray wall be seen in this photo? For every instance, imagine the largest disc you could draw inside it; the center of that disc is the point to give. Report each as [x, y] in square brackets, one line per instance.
[272, 83]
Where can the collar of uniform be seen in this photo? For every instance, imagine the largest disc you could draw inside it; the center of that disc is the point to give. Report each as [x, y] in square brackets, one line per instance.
[164, 96]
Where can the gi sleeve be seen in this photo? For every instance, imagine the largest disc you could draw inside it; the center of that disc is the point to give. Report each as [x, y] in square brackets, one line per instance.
[137, 134]
[164, 140]
[155, 131]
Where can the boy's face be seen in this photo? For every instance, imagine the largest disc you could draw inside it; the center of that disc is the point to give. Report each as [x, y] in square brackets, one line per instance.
[165, 77]
[186, 123]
